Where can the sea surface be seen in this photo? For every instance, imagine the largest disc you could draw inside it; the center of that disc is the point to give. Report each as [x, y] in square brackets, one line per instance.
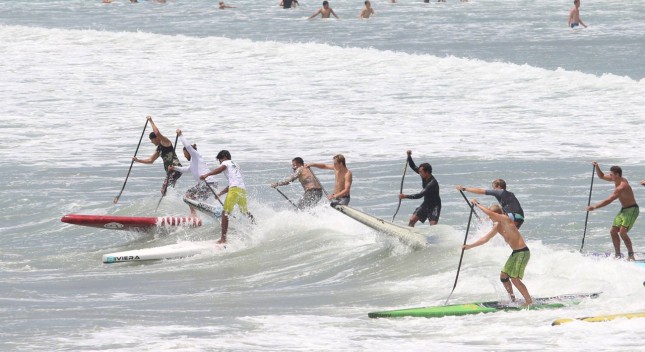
[480, 89]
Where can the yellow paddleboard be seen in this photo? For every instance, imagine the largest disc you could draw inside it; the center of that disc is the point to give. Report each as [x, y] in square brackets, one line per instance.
[600, 318]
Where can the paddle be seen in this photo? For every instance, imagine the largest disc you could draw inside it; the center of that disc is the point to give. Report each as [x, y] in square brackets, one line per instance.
[471, 206]
[405, 168]
[316, 178]
[116, 199]
[163, 194]
[470, 217]
[287, 198]
[593, 171]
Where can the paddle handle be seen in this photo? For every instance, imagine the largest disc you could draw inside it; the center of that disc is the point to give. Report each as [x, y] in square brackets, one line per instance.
[116, 199]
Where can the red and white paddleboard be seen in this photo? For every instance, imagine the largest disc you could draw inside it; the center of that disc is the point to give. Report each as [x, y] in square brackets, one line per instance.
[130, 223]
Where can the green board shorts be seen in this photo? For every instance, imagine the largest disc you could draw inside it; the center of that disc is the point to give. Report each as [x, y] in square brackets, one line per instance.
[516, 263]
[626, 217]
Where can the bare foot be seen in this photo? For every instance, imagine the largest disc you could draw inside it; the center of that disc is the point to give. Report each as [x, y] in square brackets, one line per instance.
[221, 241]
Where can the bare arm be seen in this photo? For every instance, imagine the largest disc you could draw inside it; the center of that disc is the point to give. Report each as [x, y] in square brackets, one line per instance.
[150, 160]
[471, 189]
[334, 13]
[496, 217]
[213, 172]
[163, 139]
[348, 186]
[315, 14]
[321, 166]
[482, 240]
[612, 197]
[599, 172]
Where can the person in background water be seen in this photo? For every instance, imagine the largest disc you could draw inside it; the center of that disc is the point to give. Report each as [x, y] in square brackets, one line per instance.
[513, 270]
[325, 11]
[367, 11]
[343, 180]
[197, 167]
[313, 189]
[167, 153]
[430, 209]
[506, 199]
[628, 213]
[223, 6]
[574, 15]
[236, 190]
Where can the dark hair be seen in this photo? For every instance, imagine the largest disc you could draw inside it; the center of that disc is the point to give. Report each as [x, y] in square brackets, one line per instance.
[325, 3]
[499, 182]
[298, 160]
[617, 170]
[427, 167]
[223, 154]
[152, 135]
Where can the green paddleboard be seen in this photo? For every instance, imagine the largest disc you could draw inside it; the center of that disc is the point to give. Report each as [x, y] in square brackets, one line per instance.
[482, 307]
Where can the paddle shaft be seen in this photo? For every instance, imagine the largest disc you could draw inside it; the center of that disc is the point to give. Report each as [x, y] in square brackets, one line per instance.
[316, 178]
[163, 194]
[287, 198]
[405, 168]
[469, 204]
[116, 199]
[470, 217]
[593, 171]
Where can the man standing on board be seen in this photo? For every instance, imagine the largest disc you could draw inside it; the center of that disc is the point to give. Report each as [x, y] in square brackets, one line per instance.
[167, 153]
[430, 209]
[343, 180]
[197, 167]
[313, 189]
[574, 15]
[513, 270]
[627, 215]
[506, 199]
[235, 189]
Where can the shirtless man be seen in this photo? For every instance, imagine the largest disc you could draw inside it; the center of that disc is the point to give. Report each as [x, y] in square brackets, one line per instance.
[313, 189]
[325, 11]
[513, 270]
[167, 153]
[343, 180]
[367, 11]
[574, 15]
[627, 215]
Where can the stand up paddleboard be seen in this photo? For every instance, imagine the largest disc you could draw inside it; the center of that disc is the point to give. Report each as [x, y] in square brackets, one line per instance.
[483, 307]
[130, 223]
[639, 262]
[600, 318]
[214, 211]
[173, 251]
[413, 237]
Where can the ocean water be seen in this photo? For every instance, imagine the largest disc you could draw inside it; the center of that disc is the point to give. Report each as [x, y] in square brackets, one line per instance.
[480, 90]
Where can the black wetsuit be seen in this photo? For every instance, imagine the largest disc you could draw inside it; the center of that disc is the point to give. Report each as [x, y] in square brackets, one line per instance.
[431, 206]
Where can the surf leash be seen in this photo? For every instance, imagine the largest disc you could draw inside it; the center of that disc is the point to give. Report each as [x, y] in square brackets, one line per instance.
[116, 199]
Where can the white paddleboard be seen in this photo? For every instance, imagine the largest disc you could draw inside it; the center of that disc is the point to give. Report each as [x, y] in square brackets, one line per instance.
[411, 236]
[214, 211]
[172, 251]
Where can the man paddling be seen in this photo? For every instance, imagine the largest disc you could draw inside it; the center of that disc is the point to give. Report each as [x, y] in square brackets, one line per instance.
[197, 167]
[506, 199]
[166, 151]
[513, 270]
[343, 180]
[430, 209]
[236, 191]
[628, 213]
[313, 189]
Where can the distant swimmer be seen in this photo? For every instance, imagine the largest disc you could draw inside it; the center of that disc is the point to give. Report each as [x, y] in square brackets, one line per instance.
[628, 213]
[430, 209]
[325, 11]
[367, 11]
[202, 189]
[236, 190]
[513, 270]
[343, 180]
[574, 15]
[166, 151]
[506, 199]
[313, 189]
[287, 4]
[223, 6]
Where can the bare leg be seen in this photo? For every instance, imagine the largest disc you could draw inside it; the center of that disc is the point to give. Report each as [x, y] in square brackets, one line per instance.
[615, 239]
[504, 278]
[523, 290]
[224, 228]
[433, 222]
[413, 220]
[628, 243]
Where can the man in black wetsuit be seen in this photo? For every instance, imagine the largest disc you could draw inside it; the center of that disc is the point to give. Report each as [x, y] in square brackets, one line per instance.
[506, 199]
[430, 209]
[167, 153]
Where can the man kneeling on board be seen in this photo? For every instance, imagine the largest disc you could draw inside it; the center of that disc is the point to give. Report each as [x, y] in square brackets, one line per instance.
[313, 189]
[513, 270]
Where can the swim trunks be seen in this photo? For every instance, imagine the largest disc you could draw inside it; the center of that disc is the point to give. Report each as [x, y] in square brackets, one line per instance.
[236, 195]
[518, 219]
[626, 217]
[340, 201]
[516, 263]
[424, 213]
[574, 25]
[200, 191]
[310, 198]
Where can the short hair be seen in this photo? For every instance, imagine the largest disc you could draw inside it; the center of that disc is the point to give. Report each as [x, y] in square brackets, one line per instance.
[499, 183]
[152, 135]
[340, 158]
[325, 2]
[298, 160]
[496, 209]
[427, 167]
[617, 170]
[223, 154]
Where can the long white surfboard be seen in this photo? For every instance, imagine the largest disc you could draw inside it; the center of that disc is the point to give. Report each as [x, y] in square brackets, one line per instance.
[411, 236]
[172, 251]
[214, 211]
